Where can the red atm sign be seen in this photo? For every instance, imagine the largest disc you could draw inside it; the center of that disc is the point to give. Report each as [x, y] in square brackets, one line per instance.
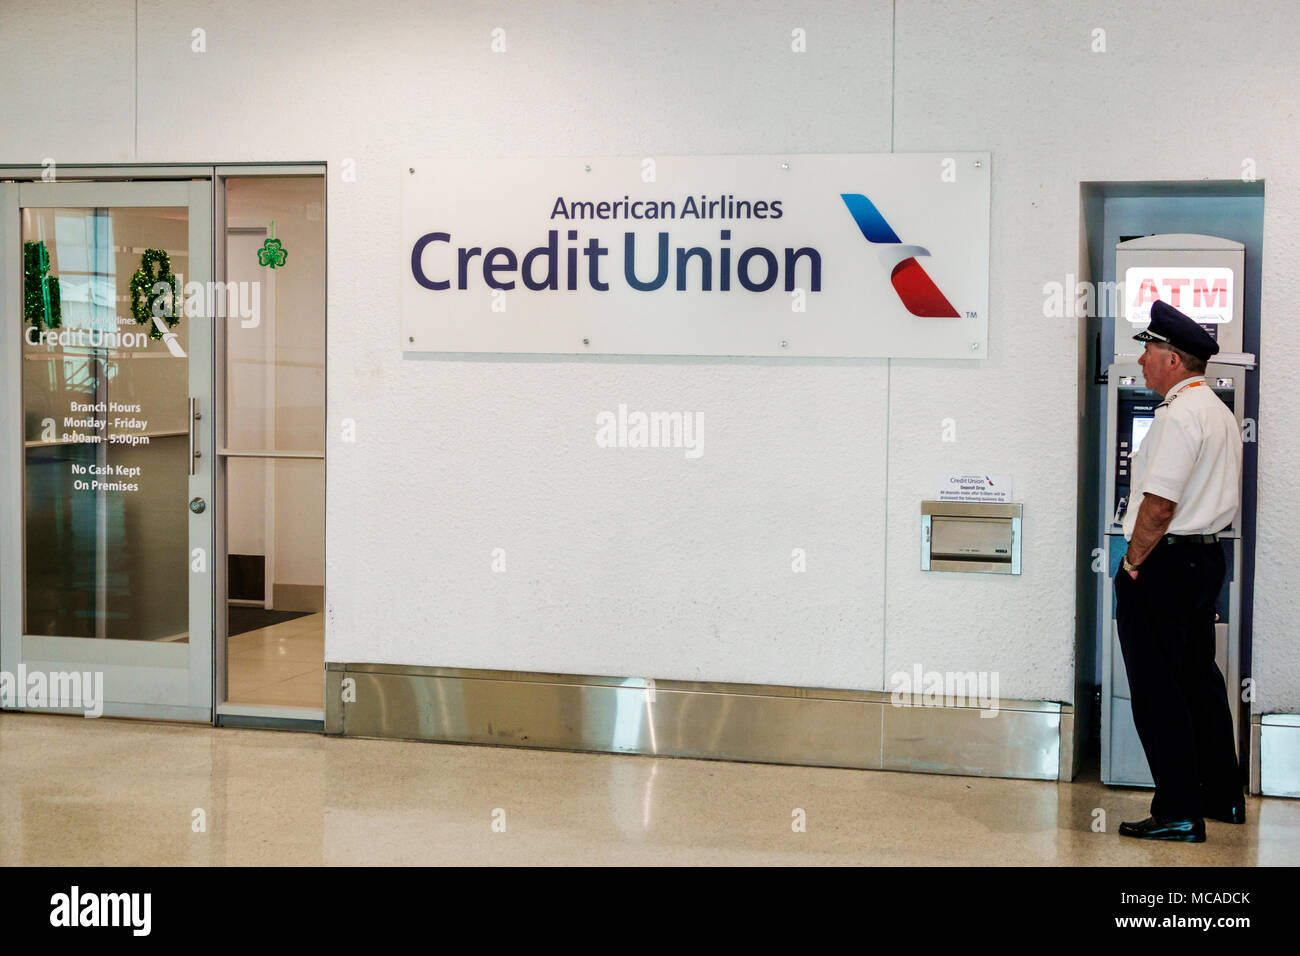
[1204, 294]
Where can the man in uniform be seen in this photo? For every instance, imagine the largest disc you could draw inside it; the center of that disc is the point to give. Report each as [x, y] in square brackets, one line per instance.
[1186, 480]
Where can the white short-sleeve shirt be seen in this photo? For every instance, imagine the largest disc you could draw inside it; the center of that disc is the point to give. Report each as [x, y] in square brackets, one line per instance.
[1192, 456]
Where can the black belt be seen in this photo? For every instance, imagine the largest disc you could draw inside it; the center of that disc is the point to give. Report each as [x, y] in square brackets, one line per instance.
[1190, 538]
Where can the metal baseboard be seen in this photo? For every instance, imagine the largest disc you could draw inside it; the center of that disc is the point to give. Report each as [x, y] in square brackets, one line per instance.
[758, 723]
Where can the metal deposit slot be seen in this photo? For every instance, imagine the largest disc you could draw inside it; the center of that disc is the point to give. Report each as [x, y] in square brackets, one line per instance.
[970, 536]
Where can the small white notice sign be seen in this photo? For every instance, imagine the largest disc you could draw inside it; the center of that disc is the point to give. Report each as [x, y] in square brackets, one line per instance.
[994, 489]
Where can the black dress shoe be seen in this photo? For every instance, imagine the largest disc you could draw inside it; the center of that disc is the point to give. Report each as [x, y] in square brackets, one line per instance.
[1183, 831]
[1233, 814]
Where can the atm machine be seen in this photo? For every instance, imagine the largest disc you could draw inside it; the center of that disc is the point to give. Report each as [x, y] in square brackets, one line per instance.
[1202, 276]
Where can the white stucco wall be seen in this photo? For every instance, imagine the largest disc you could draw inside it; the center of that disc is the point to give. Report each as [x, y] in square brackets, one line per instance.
[644, 564]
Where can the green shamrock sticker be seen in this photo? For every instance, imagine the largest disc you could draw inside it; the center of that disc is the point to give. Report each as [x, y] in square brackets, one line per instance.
[272, 253]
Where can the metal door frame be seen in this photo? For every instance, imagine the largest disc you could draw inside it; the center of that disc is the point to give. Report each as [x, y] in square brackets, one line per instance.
[239, 714]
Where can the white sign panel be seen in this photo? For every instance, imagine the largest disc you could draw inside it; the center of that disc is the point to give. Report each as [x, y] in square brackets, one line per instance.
[821, 255]
[993, 489]
[1202, 293]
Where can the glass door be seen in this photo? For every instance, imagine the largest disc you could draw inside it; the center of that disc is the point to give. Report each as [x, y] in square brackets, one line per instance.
[106, 457]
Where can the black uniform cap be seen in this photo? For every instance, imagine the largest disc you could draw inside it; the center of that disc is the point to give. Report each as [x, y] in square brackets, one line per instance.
[1170, 326]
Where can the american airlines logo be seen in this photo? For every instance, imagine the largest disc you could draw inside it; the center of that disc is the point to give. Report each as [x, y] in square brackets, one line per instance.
[913, 284]
[1204, 295]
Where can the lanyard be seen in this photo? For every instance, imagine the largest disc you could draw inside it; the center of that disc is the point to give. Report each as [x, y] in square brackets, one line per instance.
[1197, 383]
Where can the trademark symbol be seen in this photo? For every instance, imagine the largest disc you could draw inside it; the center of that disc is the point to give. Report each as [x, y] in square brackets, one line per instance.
[972, 315]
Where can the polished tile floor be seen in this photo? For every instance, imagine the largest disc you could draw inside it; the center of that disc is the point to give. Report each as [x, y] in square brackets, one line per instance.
[77, 791]
[283, 664]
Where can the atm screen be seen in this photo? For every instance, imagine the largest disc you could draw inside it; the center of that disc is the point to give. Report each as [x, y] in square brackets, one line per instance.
[1141, 425]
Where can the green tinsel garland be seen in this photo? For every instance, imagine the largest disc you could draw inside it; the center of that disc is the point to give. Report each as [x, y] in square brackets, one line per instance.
[143, 297]
[40, 289]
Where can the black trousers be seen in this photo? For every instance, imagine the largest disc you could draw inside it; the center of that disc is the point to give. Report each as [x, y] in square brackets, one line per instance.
[1180, 703]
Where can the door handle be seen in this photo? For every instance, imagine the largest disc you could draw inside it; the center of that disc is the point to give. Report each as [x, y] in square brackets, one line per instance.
[195, 453]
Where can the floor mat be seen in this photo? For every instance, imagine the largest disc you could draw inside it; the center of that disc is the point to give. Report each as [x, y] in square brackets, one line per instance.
[241, 619]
